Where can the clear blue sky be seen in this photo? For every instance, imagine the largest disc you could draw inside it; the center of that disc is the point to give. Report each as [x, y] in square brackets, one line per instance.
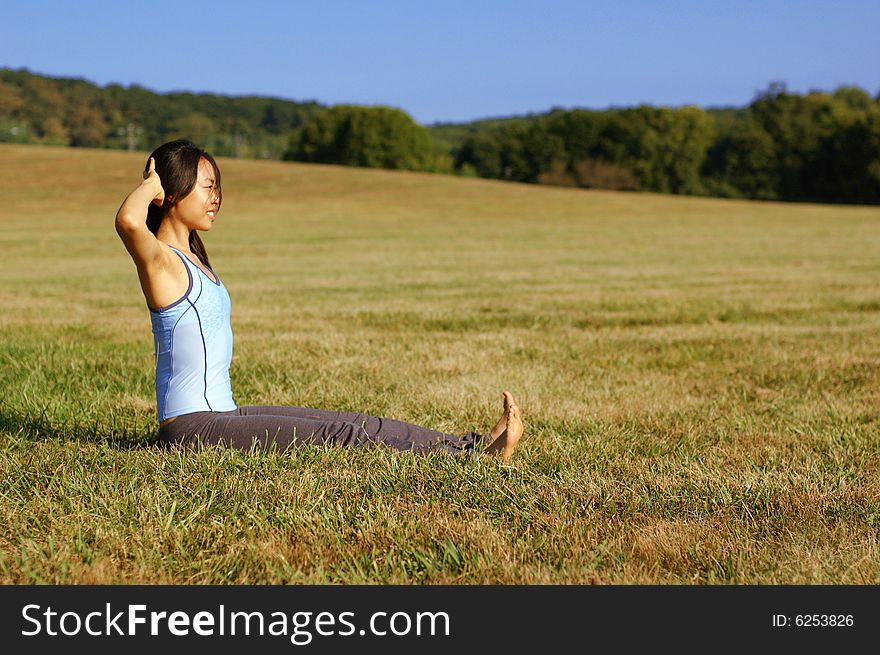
[455, 60]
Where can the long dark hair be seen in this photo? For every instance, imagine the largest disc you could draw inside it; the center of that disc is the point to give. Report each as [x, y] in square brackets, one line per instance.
[177, 165]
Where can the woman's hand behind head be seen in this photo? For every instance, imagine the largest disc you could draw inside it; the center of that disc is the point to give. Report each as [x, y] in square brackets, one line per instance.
[152, 177]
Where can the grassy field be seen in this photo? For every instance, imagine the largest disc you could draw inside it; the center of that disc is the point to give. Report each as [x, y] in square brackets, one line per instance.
[700, 383]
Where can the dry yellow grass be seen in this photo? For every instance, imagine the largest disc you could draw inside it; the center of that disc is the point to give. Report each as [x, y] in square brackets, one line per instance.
[700, 381]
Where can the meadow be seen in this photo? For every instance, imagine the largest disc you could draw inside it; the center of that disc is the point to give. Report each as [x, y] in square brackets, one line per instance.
[699, 379]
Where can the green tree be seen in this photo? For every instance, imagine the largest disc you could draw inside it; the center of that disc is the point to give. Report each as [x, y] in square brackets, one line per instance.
[54, 133]
[854, 98]
[541, 148]
[848, 163]
[797, 125]
[11, 101]
[579, 131]
[481, 154]
[376, 137]
[665, 148]
[43, 99]
[86, 126]
[744, 162]
[673, 149]
[195, 126]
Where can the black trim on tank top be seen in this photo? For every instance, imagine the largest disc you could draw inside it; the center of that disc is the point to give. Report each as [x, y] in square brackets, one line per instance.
[205, 351]
[215, 283]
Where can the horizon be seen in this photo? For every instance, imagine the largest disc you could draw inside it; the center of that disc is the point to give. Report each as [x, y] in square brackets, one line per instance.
[437, 123]
[458, 62]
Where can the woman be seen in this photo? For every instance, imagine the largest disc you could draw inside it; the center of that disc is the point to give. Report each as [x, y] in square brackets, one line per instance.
[190, 308]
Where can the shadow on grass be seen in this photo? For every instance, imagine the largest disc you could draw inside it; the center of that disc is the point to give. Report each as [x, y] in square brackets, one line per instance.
[113, 431]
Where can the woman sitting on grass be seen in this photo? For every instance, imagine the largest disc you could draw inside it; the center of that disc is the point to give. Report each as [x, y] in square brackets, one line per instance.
[190, 309]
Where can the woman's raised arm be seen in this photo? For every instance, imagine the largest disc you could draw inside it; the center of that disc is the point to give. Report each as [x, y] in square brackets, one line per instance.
[131, 226]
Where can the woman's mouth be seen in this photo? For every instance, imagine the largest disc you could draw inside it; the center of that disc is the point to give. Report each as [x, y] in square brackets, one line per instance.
[211, 214]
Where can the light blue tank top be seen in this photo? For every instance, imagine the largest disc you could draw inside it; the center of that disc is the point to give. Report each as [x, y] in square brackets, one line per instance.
[193, 348]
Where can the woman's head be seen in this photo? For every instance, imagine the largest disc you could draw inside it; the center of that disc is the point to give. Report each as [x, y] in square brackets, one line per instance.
[191, 181]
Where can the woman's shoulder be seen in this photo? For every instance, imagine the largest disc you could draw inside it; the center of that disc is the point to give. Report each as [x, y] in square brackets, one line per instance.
[170, 282]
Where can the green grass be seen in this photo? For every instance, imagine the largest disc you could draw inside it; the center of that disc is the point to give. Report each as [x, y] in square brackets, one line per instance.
[700, 382]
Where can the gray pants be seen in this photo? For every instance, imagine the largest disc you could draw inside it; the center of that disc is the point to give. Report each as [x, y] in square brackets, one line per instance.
[285, 426]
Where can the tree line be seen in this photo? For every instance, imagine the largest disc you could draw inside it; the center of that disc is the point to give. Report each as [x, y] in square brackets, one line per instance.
[817, 146]
[74, 112]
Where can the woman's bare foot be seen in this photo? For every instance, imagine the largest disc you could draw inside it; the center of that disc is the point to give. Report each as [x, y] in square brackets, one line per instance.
[501, 425]
[506, 442]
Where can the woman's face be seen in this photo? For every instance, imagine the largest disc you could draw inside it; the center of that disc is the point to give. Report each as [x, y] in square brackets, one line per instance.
[199, 208]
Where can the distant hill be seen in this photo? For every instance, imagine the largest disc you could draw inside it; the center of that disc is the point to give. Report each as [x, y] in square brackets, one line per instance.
[72, 111]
